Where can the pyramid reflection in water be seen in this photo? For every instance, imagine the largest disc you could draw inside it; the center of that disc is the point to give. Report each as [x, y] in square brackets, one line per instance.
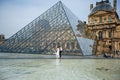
[56, 26]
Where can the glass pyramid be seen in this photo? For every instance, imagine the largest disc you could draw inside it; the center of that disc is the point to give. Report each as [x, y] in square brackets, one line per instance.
[56, 26]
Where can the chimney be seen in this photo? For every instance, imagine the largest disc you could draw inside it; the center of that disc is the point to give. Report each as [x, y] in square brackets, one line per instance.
[115, 5]
[91, 6]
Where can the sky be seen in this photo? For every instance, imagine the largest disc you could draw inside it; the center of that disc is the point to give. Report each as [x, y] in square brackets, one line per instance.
[15, 14]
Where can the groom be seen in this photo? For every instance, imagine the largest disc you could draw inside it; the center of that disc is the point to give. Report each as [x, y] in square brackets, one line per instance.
[60, 52]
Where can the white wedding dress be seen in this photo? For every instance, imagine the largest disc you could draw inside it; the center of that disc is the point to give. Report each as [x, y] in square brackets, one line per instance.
[58, 53]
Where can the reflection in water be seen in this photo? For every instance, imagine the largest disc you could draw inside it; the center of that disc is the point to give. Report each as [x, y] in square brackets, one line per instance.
[58, 61]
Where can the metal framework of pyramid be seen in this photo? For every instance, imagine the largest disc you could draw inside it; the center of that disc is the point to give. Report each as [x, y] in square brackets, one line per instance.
[56, 26]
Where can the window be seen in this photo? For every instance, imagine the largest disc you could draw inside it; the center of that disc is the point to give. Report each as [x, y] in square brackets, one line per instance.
[109, 33]
[58, 44]
[68, 45]
[54, 45]
[110, 41]
[109, 19]
[77, 46]
[72, 45]
[119, 46]
[100, 19]
[93, 20]
[100, 35]
[110, 47]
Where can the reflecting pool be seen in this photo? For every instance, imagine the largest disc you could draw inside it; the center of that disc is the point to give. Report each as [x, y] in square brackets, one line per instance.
[59, 69]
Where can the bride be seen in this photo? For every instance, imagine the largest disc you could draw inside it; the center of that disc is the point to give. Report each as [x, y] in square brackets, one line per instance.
[58, 52]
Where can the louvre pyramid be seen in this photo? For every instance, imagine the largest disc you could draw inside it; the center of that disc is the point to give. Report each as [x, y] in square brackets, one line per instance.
[56, 26]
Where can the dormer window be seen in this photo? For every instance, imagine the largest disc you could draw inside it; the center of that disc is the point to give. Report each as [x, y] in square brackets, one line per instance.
[109, 19]
[92, 20]
[100, 19]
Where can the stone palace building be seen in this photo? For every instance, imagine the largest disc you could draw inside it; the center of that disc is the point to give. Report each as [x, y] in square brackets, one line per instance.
[104, 27]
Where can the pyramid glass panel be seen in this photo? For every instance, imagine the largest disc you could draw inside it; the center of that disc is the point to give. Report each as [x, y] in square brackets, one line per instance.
[56, 26]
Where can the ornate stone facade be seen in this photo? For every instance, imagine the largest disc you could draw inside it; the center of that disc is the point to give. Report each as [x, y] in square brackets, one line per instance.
[104, 27]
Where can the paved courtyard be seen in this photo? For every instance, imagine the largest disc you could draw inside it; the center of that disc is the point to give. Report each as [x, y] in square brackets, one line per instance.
[59, 69]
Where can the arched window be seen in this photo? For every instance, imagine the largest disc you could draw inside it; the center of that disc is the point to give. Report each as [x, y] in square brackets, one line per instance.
[100, 35]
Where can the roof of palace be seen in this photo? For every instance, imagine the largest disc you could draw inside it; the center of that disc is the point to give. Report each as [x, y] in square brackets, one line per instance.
[103, 5]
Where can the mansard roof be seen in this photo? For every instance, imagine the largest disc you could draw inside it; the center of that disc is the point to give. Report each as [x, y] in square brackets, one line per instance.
[104, 6]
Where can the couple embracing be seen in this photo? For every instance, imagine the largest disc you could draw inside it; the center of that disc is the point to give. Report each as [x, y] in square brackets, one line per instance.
[59, 52]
